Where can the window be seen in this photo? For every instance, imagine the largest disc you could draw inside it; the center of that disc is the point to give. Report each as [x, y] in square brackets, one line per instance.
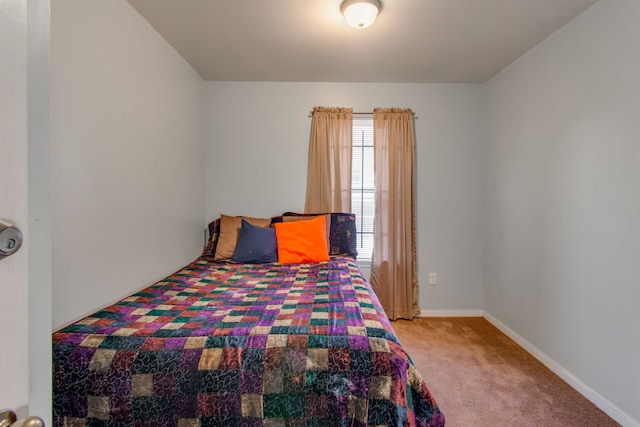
[363, 186]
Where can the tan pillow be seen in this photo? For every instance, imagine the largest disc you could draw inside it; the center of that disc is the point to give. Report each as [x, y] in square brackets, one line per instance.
[229, 231]
[327, 220]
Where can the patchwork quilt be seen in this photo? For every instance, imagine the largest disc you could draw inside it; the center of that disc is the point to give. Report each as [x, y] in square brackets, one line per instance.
[241, 345]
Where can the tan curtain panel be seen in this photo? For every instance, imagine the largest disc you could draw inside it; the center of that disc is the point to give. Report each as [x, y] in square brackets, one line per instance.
[393, 268]
[329, 170]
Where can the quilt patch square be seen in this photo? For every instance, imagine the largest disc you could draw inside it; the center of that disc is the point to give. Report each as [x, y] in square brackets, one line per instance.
[252, 405]
[98, 407]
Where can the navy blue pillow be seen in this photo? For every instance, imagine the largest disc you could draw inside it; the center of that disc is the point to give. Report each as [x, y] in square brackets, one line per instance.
[256, 245]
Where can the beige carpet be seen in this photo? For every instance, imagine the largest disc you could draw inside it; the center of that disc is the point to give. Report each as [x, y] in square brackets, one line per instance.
[480, 377]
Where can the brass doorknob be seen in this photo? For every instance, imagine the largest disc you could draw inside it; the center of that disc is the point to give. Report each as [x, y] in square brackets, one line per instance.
[31, 422]
[8, 419]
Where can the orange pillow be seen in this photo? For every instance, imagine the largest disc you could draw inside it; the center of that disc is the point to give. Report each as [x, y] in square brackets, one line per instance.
[302, 241]
[327, 220]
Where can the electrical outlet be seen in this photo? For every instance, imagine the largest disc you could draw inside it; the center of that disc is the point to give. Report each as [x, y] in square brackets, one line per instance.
[433, 278]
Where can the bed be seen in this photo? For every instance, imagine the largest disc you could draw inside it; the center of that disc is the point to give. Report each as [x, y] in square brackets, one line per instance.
[251, 344]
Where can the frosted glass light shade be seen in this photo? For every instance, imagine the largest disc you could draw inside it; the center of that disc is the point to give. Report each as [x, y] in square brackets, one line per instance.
[360, 13]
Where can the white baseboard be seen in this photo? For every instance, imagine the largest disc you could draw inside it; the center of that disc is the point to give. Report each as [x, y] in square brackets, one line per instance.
[451, 313]
[605, 405]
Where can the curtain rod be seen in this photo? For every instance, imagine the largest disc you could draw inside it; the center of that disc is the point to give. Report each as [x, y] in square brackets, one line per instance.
[370, 113]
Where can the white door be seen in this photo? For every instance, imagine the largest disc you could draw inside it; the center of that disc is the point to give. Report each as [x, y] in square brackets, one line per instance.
[14, 314]
[25, 277]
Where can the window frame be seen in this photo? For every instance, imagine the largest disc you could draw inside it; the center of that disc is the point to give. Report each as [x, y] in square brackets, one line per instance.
[361, 143]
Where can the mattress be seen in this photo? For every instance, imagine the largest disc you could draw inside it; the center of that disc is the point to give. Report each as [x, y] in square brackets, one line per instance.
[219, 343]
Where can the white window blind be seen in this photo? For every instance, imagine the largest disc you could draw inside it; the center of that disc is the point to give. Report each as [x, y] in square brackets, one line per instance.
[363, 186]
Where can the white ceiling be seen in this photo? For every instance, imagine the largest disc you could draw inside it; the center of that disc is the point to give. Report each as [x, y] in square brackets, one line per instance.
[430, 41]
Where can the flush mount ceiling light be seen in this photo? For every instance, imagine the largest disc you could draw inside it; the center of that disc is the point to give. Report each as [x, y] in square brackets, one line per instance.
[360, 13]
